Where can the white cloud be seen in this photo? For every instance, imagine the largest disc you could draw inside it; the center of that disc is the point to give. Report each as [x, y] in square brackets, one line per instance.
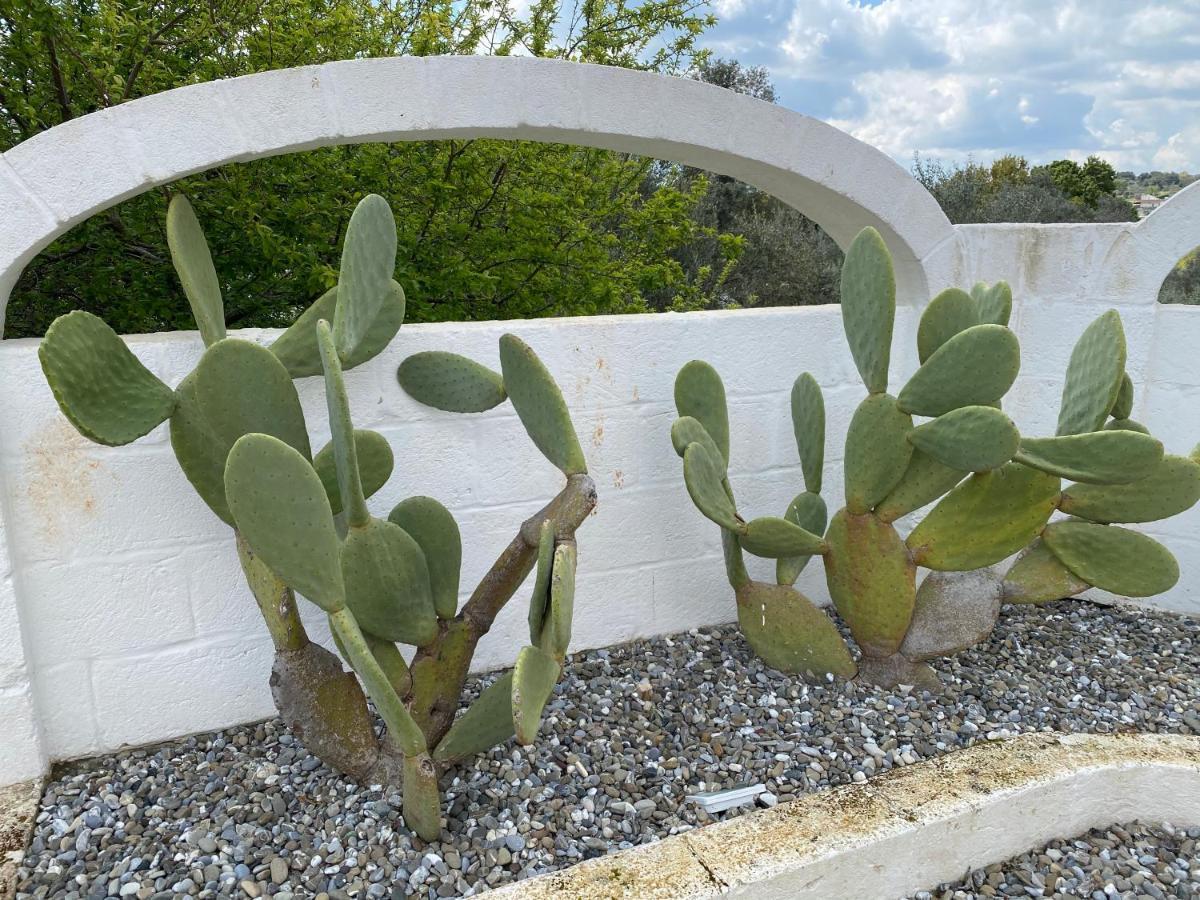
[1044, 78]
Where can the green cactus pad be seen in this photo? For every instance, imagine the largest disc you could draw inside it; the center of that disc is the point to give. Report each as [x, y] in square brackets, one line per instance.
[686, 430]
[540, 405]
[735, 562]
[773, 537]
[487, 722]
[987, 518]
[1097, 457]
[808, 423]
[1125, 425]
[387, 583]
[451, 382]
[1094, 376]
[924, 481]
[994, 302]
[297, 349]
[947, 314]
[877, 451]
[375, 462]
[101, 387]
[872, 581]
[1122, 407]
[1172, 486]
[282, 511]
[973, 368]
[869, 307]
[1112, 558]
[365, 278]
[199, 453]
[790, 634]
[243, 389]
[539, 602]
[433, 528]
[534, 677]
[341, 428]
[194, 265]
[809, 512]
[1038, 577]
[556, 635]
[700, 394]
[704, 475]
[971, 438]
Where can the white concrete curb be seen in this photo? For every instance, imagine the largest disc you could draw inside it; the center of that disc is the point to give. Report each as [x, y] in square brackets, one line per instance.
[907, 830]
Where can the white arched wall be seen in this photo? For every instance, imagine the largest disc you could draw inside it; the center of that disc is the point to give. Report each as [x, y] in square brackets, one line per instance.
[122, 614]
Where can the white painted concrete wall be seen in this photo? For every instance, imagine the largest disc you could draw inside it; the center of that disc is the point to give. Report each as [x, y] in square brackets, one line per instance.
[123, 618]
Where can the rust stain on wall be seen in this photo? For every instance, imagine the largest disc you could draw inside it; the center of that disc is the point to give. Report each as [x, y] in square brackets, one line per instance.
[61, 478]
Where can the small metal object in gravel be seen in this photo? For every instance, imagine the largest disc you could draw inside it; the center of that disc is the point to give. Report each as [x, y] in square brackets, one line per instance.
[719, 801]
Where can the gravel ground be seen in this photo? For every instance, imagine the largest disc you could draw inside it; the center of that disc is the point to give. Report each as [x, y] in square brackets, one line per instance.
[1132, 862]
[630, 732]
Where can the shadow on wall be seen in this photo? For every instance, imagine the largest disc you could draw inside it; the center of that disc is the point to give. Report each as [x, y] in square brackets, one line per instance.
[1183, 284]
[489, 229]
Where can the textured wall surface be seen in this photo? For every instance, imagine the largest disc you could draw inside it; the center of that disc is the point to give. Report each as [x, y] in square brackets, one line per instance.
[123, 618]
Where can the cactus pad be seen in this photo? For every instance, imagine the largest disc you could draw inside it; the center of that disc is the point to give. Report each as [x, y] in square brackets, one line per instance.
[451, 382]
[699, 393]
[790, 634]
[243, 389]
[365, 278]
[194, 265]
[375, 462]
[868, 289]
[808, 423]
[704, 475]
[973, 368]
[877, 451]
[433, 528]
[556, 636]
[994, 302]
[987, 518]
[199, 454]
[282, 511]
[1038, 577]
[534, 677]
[773, 537]
[872, 581]
[487, 722]
[947, 314]
[1112, 558]
[686, 430]
[539, 603]
[540, 405]
[387, 583]
[1171, 487]
[1094, 376]
[296, 348]
[341, 428]
[924, 481]
[1097, 457]
[1125, 425]
[972, 438]
[809, 512]
[101, 387]
[1122, 407]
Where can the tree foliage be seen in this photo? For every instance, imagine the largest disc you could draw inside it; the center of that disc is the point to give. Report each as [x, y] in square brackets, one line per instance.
[489, 229]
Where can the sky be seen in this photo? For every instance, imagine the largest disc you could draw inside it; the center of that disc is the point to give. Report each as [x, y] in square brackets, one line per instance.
[959, 79]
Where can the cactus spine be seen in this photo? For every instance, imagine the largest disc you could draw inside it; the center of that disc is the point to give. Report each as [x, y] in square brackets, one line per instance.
[302, 523]
[995, 491]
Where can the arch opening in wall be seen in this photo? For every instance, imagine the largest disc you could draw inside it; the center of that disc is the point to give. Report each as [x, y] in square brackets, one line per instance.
[1182, 285]
[488, 229]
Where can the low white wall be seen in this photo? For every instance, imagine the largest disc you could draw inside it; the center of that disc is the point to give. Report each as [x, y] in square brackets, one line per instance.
[123, 618]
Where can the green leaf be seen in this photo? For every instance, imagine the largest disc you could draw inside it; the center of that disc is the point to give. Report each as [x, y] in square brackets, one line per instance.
[1171, 487]
[994, 302]
[869, 307]
[487, 722]
[451, 382]
[790, 634]
[200, 454]
[808, 511]
[297, 349]
[704, 475]
[1097, 457]
[877, 451]
[1113, 559]
[1094, 376]
[365, 279]
[375, 462]
[700, 394]
[433, 528]
[970, 438]
[387, 583]
[194, 265]
[540, 405]
[924, 481]
[534, 677]
[773, 537]
[975, 367]
[947, 314]
[808, 423]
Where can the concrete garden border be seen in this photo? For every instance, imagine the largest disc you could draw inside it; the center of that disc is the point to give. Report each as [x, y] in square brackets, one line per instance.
[906, 830]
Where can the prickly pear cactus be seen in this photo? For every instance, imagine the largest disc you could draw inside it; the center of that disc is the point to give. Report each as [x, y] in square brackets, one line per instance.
[303, 526]
[995, 491]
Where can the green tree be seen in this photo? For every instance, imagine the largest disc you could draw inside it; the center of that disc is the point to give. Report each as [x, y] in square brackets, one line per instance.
[488, 229]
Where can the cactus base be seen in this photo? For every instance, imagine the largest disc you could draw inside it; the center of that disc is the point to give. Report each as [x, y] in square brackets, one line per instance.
[895, 670]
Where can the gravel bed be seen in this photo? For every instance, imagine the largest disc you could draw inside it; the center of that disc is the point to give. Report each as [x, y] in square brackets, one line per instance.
[630, 732]
[1133, 862]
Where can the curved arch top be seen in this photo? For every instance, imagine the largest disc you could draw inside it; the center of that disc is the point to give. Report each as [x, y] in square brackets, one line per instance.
[63, 175]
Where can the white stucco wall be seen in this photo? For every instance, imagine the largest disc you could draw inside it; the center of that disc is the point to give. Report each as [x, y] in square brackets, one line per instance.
[122, 614]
